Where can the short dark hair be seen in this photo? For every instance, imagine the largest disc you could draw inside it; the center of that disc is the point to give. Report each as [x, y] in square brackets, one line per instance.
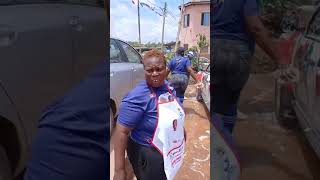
[155, 53]
[180, 51]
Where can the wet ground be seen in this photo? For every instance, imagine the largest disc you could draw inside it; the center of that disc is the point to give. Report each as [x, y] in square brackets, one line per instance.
[197, 156]
[268, 150]
[196, 164]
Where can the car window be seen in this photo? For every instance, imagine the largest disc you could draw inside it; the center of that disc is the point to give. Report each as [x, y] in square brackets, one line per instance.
[132, 55]
[314, 27]
[115, 54]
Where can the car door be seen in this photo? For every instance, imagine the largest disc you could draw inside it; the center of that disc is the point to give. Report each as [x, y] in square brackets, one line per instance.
[36, 63]
[135, 59]
[87, 23]
[313, 71]
[120, 73]
[302, 63]
[206, 87]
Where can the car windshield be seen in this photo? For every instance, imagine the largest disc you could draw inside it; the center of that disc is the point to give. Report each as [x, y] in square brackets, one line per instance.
[98, 3]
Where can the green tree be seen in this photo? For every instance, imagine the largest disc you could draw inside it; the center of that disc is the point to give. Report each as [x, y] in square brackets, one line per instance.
[194, 60]
[202, 42]
[133, 43]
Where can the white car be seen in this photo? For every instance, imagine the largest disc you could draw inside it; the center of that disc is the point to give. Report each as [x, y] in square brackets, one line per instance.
[204, 76]
[304, 99]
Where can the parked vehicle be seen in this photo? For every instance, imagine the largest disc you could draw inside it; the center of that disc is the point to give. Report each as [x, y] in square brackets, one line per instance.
[305, 66]
[126, 70]
[46, 48]
[204, 76]
[287, 43]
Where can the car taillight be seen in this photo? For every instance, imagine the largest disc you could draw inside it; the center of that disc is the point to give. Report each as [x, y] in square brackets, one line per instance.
[318, 83]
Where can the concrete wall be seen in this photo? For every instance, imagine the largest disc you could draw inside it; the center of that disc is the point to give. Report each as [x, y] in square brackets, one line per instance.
[188, 35]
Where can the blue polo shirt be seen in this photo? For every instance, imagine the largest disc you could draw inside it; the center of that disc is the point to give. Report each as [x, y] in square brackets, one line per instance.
[179, 65]
[138, 110]
[228, 19]
[72, 141]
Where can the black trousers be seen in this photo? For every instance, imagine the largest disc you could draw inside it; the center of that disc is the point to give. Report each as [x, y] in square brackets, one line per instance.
[147, 163]
[230, 71]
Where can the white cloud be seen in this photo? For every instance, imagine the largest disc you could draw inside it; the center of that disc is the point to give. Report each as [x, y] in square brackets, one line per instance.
[124, 23]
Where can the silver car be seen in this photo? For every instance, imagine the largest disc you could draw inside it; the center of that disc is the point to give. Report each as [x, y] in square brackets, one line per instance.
[126, 70]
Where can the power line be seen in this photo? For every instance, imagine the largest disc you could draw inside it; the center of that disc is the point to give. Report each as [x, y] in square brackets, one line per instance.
[171, 22]
[152, 3]
[161, 1]
[174, 20]
[170, 13]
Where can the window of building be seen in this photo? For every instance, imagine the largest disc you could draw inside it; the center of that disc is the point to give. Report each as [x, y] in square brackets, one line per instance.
[186, 20]
[205, 18]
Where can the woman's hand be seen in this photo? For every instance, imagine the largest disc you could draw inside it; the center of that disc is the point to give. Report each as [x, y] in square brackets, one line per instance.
[120, 140]
[120, 175]
[199, 85]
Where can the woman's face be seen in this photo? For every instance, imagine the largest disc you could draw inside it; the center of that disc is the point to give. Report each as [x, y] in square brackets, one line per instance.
[155, 71]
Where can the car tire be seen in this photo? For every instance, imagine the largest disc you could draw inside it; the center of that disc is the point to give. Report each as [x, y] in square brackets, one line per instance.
[5, 170]
[283, 105]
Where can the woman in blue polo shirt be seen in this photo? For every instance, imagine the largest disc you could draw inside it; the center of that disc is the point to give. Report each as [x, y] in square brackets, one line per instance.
[150, 126]
[181, 68]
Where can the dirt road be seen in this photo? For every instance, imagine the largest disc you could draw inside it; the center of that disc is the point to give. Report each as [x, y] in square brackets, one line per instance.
[269, 151]
[196, 164]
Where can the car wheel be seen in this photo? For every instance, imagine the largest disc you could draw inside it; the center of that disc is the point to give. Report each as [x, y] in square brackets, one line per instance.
[283, 104]
[5, 170]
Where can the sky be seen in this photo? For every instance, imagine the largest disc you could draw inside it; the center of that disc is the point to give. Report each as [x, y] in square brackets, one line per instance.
[124, 20]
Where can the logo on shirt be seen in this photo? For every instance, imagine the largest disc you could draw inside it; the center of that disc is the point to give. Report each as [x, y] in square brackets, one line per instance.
[175, 124]
[164, 98]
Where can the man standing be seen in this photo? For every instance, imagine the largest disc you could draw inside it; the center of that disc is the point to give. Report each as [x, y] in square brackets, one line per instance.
[180, 68]
[236, 27]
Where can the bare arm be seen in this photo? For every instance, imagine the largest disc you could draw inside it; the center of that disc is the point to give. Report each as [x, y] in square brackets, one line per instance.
[120, 139]
[192, 73]
[257, 29]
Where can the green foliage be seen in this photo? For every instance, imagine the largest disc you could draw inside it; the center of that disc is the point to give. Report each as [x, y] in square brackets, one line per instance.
[169, 56]
[202, 41]
[193, 49]
[194, 60]
[133, 43]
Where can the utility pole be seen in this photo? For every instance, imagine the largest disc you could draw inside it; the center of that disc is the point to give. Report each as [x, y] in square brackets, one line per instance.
[179, 26]
[139, 26]
[164, 20]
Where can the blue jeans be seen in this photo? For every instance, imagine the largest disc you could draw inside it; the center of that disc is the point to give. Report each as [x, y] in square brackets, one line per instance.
[180, 83]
